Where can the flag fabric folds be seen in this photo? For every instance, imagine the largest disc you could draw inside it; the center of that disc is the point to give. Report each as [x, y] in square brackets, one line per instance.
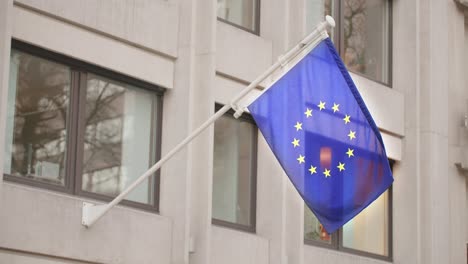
[321, 132]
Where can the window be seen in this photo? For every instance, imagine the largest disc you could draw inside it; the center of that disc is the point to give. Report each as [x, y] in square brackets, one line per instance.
[244, 14]
[362, 35]
[76, 128]
[368, 234]
[38, 113]
[234, 172]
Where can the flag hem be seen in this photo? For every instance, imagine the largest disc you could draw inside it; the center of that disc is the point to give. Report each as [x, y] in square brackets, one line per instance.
[354, 90]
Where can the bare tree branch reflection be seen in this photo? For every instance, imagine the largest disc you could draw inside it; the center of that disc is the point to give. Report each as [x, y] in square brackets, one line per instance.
[41, 109]
[355, 34]
[38, 129]
[366, 37]
[42, 96]
[103, 136]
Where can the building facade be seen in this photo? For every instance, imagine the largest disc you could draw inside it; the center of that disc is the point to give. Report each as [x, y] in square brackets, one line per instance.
[94, 92]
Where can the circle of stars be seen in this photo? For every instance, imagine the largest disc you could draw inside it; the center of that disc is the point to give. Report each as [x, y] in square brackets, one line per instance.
[351, 135]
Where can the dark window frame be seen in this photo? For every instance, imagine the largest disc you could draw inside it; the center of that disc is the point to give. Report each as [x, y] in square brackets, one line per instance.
[74, 126]
[338, 14]
[253, 190]
[256, 30]
[337, 237]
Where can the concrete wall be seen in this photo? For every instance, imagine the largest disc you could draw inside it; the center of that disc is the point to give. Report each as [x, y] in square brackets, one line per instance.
[137, 23]
[457, 102]
[18, 257]
[181, 46]
[41, 29]
[240, 54]
[231, 247]
[320, 255]
[428, 199]
[39, 221]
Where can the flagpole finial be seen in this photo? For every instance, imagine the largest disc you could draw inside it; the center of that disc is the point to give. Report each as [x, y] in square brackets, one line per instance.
[330, 21]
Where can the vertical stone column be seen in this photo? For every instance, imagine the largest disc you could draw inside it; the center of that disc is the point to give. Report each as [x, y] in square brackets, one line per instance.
[6, 9]
[428, 189]
[280, 215]
[433, 118]
[271, 204]
[186, 179]
[294, 213]
[201, 107]
[458, 107]
[174, 194]
[271, 180]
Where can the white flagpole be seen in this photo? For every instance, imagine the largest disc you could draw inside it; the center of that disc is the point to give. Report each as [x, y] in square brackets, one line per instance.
[91, 212]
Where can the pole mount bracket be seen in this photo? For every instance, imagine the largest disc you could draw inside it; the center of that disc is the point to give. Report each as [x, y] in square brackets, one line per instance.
[90, 212]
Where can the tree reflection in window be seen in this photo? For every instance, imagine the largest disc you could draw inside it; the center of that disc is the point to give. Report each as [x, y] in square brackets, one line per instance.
[366, 37]
[36, 119]
[118, 138]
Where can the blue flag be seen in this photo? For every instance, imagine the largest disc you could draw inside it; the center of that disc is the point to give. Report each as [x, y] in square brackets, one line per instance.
[321, 132]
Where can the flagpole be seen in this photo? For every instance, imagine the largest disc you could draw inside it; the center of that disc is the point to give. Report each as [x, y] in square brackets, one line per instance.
[92, 212]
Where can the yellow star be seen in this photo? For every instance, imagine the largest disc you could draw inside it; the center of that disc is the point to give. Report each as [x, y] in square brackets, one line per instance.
[335, 107]
[301, 159]
[341, 166]
[327, 173]
[298, 126]
[295, 142]
[346, 119]
[313, 169]
[352, 134]
[350, 152]
[308, 112]
[321, 105]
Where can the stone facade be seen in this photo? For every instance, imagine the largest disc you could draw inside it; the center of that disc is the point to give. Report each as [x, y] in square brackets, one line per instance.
[180, 45]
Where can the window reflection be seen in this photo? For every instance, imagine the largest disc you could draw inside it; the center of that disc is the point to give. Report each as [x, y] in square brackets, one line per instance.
[232, 170]
[313, 229]
[362, 34]
[369, 230]
[37, 109]
[239, 12]
[118, 144]
[366, 37]
[316, 10]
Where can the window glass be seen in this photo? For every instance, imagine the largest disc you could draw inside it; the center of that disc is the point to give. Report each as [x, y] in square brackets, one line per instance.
[118, 138]
[362, 33]
[366, 38]
[313, 229]
[233, 170]
[240, 12]
[316, 10]
[369, 230]
[37, 116]
[73, 131]
[366, 232]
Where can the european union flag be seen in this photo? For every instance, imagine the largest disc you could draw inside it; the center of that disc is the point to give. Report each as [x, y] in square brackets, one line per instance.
[321, 132]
